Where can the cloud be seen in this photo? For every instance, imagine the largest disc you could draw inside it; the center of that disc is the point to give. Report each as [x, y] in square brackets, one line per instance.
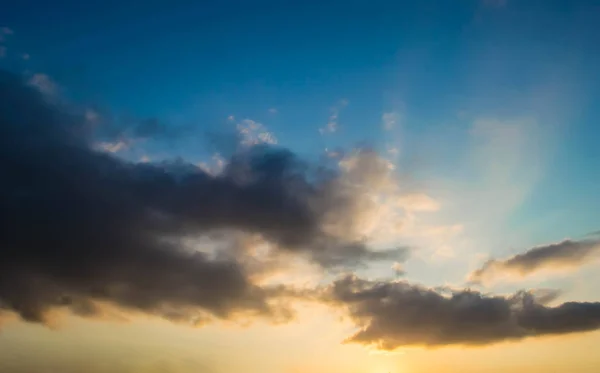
[254, 133]
[367, 193]
[83, 229]
[396, 314]
[2, 51]
[113, 133]
[44, 84]
[418, 202]
[562, 255]
[87, 227]
[4, 32]
[596, 233]
[332, 123]
[390, 120]
[398, 269]
[112, 147]
[273, 110]
[392, 150]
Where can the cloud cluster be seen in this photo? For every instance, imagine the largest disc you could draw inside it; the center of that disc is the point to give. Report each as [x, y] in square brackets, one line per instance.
[395, 314]
[81, 226]
[561, 255]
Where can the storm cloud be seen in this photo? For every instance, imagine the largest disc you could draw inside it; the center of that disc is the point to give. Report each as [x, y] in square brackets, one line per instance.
[395, 314]
[564, 254]
[80, 225]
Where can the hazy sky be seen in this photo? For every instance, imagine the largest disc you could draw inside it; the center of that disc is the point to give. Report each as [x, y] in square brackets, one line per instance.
[299, 187]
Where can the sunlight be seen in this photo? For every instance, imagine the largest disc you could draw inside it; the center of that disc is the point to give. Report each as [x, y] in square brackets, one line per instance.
[323, 187]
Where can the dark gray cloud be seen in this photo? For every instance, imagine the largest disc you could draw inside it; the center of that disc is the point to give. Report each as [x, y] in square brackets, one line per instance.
[79, 225]
[559, 255]
[395, 314]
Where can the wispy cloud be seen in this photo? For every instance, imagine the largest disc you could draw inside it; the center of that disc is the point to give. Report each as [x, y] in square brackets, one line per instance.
[390, 120]
[332, 123]
[567, 254]
[44, 84]
[113, 147]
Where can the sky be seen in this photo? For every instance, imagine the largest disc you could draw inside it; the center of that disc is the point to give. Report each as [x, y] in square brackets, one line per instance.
[299, 187]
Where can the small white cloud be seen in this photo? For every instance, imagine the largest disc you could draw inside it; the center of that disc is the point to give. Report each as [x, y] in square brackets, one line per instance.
[273, 110]
[330, 127]
[25, 56]
[112, 147]
[44, 84]
[2, 51]
[390, 120]
[267, 138]
[231, 118]
[332, 123]
[254, 133]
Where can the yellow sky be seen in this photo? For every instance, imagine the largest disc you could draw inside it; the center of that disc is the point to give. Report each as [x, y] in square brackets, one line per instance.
[311, 345]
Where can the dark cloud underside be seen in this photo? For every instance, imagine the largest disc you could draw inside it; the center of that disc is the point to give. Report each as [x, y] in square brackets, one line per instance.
[395, 314]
